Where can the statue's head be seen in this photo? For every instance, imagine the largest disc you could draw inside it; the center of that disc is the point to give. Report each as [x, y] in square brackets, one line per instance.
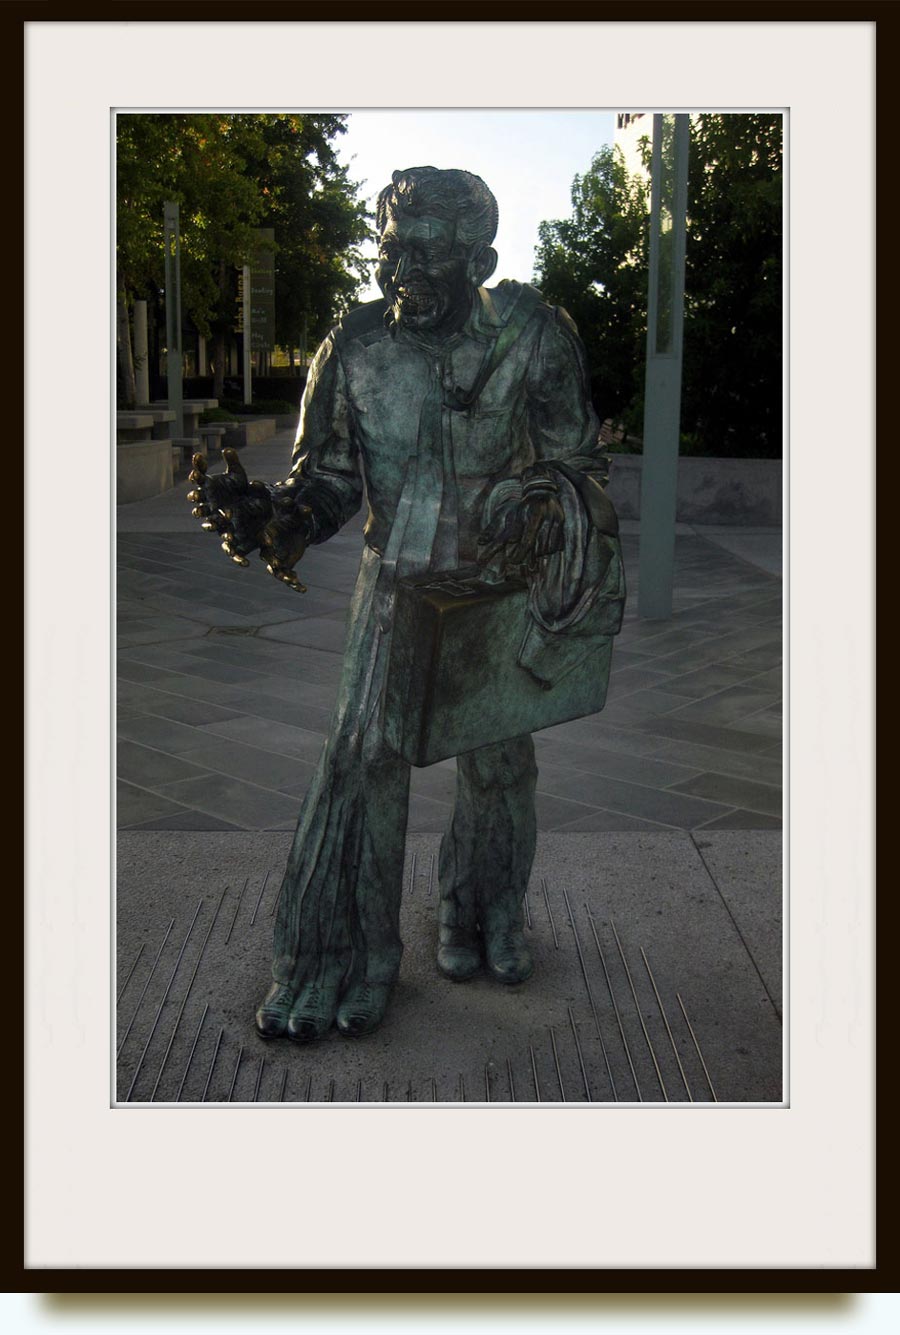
[435, 231]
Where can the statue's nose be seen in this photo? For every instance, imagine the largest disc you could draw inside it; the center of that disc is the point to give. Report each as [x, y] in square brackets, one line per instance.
[399, 272]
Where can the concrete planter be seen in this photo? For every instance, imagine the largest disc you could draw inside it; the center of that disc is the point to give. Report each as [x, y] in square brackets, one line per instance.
[710, 491]
[143, 468]
[253, 432]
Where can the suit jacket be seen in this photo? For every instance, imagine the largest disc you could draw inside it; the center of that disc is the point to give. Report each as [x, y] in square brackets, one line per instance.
[371, 392]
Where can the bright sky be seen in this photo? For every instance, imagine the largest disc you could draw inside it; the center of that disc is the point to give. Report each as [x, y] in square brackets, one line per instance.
[528, 158]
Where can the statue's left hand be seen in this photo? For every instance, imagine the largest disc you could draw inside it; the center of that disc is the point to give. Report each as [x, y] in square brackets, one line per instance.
[284, 540]
[524, 534]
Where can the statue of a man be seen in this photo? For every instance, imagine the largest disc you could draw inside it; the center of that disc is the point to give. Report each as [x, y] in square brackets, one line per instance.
[419, 404]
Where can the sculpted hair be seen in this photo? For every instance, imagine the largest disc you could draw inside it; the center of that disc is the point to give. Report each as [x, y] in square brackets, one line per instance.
[453, 194]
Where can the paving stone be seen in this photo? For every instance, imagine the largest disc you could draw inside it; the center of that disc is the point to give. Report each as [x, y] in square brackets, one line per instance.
[704, 734]
[768, 722]
[188, 819]
[179, 683]
[615, 764]
[732, 705]
[706, 681]
[553, 812]
[742, 820]
[734, 792]
[598, 730]
[186, 665]
[427, 815]
[278, 738]
[764, 656]
[757, 766]
[134, 804]
[149, 768]
[268, 769]
[598, 821]
[313, 717]
[156, 630]
[665, 806]
[434, 781]
[162, 734]
[630, 678]
[325, 632]
[232, 799]
[641, 705]
[180, 708]
[294, 690]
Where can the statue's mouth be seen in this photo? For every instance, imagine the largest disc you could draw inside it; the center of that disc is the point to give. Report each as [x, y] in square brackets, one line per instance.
[416, 299]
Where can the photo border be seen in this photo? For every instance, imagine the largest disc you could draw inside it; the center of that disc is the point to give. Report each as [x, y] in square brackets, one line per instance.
[38, 680]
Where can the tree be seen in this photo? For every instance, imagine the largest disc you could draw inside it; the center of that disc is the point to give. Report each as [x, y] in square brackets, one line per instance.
[731, 388]
[595, 265]
[732, 370]
[318, 218]
[231, 174]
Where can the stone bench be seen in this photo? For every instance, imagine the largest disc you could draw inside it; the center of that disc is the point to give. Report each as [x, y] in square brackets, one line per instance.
[211, 436]
[184, 448]
[131, 427]
[162, 422]
[143, 469]
[252, 432]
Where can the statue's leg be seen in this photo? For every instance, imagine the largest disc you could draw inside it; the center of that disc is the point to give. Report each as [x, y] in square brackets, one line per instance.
[485, 862]
[312, 927]
[375, 915]
[313, 946]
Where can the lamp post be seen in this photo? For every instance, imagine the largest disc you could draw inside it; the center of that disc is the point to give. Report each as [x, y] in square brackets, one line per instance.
[662, 395]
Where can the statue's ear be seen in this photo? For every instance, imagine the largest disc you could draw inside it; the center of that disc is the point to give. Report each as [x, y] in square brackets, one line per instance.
[482, 264]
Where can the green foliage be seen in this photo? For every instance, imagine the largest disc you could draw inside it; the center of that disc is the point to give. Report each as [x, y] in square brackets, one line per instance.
[732, 385]
[265, 407]
[595, 265]
[210, 416]
[319, 221]
[231, 174]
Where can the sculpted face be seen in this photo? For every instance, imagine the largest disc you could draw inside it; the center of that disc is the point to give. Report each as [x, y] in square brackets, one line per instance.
[425, 274]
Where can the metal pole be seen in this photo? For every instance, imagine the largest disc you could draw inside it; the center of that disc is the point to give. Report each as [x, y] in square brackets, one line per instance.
[248, 392]
[662, 396]
[173, 315]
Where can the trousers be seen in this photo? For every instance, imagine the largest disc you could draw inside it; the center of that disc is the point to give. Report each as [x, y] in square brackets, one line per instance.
[338, 917]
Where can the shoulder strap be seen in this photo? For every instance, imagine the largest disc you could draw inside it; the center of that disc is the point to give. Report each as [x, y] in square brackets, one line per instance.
[523, 308]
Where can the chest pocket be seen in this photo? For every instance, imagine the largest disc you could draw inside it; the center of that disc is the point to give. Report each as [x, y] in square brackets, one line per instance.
[486, 441]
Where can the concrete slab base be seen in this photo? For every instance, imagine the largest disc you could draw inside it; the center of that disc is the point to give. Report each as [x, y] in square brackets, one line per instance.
[657, 975]
[143, 469]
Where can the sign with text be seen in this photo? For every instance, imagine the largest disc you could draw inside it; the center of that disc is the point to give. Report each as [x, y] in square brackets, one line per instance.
[262, 293]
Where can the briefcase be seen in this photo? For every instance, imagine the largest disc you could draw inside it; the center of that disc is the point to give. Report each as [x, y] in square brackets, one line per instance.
[469, 666]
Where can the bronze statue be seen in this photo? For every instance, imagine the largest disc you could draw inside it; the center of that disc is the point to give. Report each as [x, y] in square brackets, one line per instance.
[462, 416]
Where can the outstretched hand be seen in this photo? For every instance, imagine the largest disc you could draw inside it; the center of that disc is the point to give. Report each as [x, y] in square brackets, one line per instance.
[246, 517]
[229, 504]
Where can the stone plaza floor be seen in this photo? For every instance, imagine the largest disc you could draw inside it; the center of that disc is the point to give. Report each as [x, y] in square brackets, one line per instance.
[664, 810]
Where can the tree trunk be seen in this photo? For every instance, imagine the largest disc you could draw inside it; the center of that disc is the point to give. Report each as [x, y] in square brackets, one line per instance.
[220, 342]
[125, 352]
[220, 356]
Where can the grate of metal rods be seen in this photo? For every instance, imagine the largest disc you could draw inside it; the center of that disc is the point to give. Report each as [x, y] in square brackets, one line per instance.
[637, 1045]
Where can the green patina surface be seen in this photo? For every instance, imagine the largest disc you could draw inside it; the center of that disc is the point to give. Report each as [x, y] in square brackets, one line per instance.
[460, 415]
